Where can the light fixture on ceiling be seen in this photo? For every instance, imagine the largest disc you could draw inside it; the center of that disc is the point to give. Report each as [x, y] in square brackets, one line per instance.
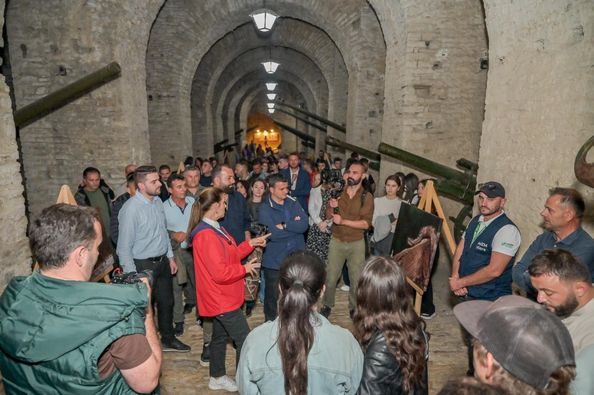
[270, 105]
[264, 19]
[271, 96]
[271, 86]
[270, 66]
[271, 110]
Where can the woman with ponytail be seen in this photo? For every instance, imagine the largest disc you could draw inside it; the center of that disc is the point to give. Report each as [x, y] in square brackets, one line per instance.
[392, 335]
[220, 280]
[300, 352]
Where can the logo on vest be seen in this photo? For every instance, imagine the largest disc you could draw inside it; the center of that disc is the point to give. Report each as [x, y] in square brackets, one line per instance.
[482, 246]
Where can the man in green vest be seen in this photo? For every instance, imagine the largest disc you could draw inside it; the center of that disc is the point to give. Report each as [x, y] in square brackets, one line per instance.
[60, 333]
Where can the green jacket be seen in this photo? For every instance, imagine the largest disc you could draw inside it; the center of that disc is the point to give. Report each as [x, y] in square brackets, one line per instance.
[52, 333]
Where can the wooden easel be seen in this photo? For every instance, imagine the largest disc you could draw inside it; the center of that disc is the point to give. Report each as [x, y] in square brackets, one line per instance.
[181, 168]
[102, 272]
[427, 203]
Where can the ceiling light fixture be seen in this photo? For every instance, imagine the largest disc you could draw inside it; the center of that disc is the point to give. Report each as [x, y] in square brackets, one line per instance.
[270, 66]
[270, 105]
[271, 86]
[271, 96]
[271, 110]
[264, 19]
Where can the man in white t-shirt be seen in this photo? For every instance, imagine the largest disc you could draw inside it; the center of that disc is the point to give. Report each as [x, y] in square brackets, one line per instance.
[482, 267]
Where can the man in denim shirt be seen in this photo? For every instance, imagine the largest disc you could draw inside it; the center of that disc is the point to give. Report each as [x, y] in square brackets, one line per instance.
[562, 218]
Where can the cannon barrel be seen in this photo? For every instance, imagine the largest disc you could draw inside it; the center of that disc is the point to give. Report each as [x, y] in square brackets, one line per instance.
[218, 147]
[361, 151]
[308, 144]
[315, 125]
[238, 132]
[428, 166]
[303, 136]
[467, 165]
[63, 96]
[315, 116]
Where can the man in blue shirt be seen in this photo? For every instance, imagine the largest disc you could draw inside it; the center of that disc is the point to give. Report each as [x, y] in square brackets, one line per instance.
[562, 219]
[143, 244]
[287, 222]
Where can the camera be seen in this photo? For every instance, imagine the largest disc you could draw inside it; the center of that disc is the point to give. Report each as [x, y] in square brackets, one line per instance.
[336, 184]
[258, 229]
[132, 277]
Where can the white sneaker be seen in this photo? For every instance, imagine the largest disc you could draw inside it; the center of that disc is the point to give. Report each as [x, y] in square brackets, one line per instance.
[222, 383]
[345, 288]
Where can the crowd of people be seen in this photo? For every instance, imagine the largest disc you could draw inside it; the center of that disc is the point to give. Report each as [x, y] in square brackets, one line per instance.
[288, 231]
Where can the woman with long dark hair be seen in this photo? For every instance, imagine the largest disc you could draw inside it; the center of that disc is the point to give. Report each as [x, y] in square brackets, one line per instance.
[220, 280]
[385, 215]
[300, 352]
[390, 332]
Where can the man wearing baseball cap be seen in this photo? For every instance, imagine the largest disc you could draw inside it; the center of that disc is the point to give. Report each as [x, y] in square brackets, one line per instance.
[482, 266]
[519, 345]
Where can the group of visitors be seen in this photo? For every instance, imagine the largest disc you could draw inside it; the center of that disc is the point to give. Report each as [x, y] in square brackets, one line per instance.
[297, 228]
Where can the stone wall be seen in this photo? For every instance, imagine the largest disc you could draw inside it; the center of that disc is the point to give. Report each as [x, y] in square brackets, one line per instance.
[15, 256]
[435, 88]
[53, 43]
[539, 103]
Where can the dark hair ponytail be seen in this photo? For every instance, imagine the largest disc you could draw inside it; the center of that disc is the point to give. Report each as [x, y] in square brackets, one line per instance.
[302, 277]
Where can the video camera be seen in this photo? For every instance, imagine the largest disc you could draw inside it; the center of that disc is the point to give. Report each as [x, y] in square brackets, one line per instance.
[335, 180]
[120, 277]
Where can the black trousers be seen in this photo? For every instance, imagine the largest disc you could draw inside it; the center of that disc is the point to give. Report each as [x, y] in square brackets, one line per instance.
[270, 294]
[427, 306]
[162, 292]
[234, 325]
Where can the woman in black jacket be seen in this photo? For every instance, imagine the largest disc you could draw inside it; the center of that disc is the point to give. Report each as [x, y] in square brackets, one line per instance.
[390, 332]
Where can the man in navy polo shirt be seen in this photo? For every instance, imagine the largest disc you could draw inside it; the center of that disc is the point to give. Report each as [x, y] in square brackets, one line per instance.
[562, 221]
[482, 267]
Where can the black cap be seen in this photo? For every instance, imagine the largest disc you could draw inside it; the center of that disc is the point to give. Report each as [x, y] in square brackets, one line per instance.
[492, 189]
[527, 340]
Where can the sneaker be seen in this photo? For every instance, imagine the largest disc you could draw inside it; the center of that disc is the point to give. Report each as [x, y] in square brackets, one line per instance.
[427, 316]
[188, 308]
[325, 311]
[345, 288]
[174, 345]
[205, 356]
[222, 383]
[179, 329]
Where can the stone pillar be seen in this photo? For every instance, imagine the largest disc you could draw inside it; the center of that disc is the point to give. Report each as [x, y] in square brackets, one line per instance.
[539, 111]
[15, 256]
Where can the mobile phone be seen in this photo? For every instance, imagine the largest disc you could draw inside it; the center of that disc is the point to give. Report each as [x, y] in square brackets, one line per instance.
[391, 217]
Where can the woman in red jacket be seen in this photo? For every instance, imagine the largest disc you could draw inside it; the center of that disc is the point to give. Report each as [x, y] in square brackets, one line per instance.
[220, 281]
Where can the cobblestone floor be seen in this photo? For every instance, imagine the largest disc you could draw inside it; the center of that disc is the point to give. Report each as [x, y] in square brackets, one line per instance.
[182, 374]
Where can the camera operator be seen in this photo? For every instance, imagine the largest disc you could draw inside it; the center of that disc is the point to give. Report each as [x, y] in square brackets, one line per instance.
[353, 212]
[60, 333]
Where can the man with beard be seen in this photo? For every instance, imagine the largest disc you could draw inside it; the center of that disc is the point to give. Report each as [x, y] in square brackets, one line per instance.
[237, 217]
[352, 216]
[484, 257]
[562, 218]
[143, 244]
[564, 286]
